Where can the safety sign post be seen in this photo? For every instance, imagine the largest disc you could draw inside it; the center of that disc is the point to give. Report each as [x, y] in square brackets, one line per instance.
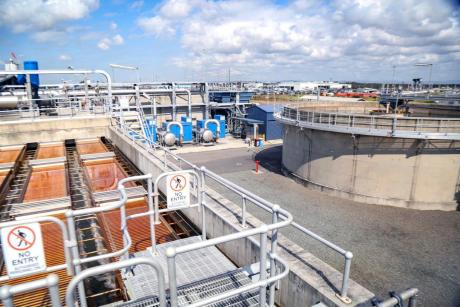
[23, 251]
[178, 190]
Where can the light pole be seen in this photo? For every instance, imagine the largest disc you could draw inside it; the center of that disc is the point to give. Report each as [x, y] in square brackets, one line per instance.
[393, 77]
[431, 68]
[128, 68]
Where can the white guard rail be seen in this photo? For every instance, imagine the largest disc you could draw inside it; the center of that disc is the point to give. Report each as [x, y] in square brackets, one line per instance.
[175, 162]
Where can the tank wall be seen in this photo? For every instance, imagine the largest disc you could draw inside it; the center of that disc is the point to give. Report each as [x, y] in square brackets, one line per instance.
[391, 171]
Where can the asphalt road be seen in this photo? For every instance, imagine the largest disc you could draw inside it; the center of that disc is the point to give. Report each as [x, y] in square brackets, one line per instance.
[394, 248]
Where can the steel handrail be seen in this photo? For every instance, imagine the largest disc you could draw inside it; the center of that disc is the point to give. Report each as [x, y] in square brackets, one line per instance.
[267, 206]
[101, 269]
[51, 282]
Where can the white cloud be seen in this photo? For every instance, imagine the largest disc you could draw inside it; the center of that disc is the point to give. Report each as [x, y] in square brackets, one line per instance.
[104, 44]
[41, 15]
[306, 35]
[118, 40]
[157, 26]
[64, 57]
[137, 4]
[113, 26]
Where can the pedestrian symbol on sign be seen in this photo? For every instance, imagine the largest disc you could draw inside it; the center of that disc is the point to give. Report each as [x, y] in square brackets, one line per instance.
[21, 238]
[178, 183]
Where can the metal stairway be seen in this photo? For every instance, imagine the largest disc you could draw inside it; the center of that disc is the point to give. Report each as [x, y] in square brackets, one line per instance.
[101, 289]
[200, 274]
[18, 185]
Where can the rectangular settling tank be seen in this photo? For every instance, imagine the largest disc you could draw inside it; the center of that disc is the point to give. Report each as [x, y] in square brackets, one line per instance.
[9, 154]
[48, 151]
[85, 147]
[139, 229]
[47, 182]
[104, 175]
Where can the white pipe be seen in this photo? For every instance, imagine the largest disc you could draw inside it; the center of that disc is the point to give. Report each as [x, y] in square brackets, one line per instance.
[181, 128]
[63, 72]
[217, 126]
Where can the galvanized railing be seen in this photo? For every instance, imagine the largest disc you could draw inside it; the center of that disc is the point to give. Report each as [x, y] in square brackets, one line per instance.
[174, 162]
[389, 125]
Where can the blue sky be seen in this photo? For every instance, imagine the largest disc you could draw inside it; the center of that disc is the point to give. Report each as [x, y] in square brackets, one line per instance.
[256, 39]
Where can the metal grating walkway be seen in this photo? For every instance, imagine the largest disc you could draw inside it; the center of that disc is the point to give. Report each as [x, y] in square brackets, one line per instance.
[200, 274]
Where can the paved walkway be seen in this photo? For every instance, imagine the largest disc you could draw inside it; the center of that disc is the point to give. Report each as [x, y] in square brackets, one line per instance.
[394, 248]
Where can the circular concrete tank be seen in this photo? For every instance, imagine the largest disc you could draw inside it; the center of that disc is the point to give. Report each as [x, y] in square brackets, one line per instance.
[402, 162]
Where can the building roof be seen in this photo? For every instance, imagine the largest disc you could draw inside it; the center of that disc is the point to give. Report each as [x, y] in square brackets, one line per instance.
[269, 108]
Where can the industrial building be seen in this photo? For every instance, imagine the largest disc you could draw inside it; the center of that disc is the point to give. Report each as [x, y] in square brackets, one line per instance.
[269, 129]
[89, 175]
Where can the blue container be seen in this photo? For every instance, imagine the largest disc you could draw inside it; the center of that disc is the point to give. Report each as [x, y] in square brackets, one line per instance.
[34, 79]
[187, 124]
[174, 129]
[223, 125]
[211, 126]
[150, 130]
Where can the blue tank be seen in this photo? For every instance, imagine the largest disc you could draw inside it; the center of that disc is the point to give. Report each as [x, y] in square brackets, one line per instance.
[211, 126]
[187, 124]
[150, 130]
[34, 79]
[174, 129]
[221, 119]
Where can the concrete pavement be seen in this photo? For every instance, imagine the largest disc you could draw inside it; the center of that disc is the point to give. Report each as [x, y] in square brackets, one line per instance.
[394, 248]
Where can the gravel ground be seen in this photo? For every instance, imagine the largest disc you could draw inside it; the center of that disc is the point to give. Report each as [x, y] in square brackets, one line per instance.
[394, 248]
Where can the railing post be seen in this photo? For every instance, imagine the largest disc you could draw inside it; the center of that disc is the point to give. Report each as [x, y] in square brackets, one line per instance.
[203, 203]
[171, 259]
[157, 206]
[413, 301]
[5, 296]
[53, 286]
[274, 246]
[243, 213]
[346, 276]
[151, 216]
[263, 266]
[76, 257]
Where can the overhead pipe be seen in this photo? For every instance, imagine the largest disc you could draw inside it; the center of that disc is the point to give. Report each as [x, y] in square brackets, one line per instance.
[217, 126]
[64, 72]
[173, 101]
[154, 106]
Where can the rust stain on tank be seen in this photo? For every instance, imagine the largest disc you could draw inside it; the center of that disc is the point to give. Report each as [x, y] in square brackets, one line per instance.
[46, 183]
[105, 174]
[51, 151]
[139, 229]
[8, 155]
[90, 147]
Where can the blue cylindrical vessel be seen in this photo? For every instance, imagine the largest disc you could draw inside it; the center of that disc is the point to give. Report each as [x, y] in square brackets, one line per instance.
[34, 79]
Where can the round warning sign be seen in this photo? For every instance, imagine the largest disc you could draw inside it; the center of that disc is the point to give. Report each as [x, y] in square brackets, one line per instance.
[178, 183]
[21, 238]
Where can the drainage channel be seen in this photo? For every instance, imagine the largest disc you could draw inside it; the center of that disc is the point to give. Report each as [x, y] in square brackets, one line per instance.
[179, 225]
[102, 289]
[21, 176]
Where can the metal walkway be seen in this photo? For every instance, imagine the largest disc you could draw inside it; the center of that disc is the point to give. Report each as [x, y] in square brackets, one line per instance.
[18, 185]
[200, 274]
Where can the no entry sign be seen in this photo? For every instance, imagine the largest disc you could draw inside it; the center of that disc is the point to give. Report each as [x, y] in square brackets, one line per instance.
[178, 190]
[22, 247]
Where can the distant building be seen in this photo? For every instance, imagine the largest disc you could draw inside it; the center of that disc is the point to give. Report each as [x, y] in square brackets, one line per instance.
[270, 129]
[309, 86]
